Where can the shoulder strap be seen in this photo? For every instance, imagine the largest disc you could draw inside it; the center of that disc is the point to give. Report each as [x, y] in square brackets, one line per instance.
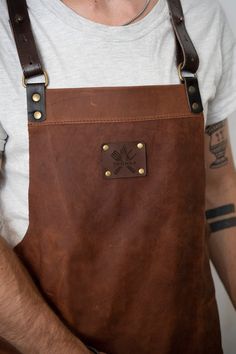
[29, 59]
[25, 43]
[187, 57]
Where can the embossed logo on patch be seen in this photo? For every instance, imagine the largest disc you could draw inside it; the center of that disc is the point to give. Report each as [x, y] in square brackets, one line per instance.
[124, 159]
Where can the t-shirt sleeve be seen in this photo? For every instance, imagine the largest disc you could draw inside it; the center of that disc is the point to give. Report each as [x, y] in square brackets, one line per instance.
[224, 102]
[3, 138]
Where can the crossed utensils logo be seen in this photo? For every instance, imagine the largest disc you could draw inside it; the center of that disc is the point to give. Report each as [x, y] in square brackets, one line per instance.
[124, 159]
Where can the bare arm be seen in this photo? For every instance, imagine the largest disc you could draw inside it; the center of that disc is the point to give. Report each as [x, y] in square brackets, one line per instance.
[26, 321]
[221, 204]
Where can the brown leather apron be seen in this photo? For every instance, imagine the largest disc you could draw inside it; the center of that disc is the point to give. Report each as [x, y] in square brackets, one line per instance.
[117, 232]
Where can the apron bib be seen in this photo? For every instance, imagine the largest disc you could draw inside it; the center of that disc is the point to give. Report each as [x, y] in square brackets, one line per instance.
[117, 232]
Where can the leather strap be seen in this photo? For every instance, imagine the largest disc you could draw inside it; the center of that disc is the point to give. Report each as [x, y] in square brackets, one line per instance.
[193, 94]
[186, 55]
[28, 54]
[25, 43]
[36, 102]
[29, 58]
[187, 59]
[186, 52]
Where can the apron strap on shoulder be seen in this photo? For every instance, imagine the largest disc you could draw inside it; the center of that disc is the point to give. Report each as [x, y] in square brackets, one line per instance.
[187, 57]
[24, 38]
[29, 59]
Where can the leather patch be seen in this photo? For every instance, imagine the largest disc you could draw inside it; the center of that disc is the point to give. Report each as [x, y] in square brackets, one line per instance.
[124, 159]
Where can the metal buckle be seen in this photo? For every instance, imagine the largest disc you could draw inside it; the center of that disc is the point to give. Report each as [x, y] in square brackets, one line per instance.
[46, 79]
[190, 80]
[183, 73]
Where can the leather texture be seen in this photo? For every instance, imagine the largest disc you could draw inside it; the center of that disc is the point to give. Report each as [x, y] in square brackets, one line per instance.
[193, 94]
[134, 270]
[93, 108]
[186, 52]
[39, 105]
[26, 47]
[123, 159]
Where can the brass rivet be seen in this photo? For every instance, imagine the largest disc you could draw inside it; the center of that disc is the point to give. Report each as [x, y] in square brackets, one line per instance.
[195, 106]
[105, 147]
[141, 171]
[36, 97]
[140, 145]
[37, 115]
[191, 89]
[108, 173]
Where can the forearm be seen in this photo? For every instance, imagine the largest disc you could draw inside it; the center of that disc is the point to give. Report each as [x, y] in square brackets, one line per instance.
[222, 240]
[221, 204]
[26, 321]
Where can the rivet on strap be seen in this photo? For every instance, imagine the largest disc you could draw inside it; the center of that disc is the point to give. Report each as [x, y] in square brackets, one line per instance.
[187, 59]
[29, 58]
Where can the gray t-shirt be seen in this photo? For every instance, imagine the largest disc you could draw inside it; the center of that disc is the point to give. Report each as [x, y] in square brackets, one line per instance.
[77, 52]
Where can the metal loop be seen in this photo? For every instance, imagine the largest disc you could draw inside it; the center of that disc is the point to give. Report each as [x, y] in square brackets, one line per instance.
[182, 73]
[46, 78]
[180, 67]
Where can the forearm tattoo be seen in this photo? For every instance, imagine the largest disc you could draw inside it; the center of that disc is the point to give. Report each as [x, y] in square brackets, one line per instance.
[224, 223]
[222, 210]
[218, 143]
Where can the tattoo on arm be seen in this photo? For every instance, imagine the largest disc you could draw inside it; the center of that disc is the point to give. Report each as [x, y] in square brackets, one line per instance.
[218, 143]
[222, 210]
[224, 223]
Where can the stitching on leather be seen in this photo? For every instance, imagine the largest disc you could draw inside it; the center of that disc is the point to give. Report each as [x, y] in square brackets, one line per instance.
[127, 120]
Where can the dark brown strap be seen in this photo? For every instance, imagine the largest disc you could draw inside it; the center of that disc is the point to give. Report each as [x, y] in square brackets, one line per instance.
[186, 52]
[24, 38]
[29, 58]
[28, 54]
[36, 102]
[186, 55]
[187, 59]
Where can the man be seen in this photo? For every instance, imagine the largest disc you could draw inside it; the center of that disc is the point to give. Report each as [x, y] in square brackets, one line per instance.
[104, 44]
